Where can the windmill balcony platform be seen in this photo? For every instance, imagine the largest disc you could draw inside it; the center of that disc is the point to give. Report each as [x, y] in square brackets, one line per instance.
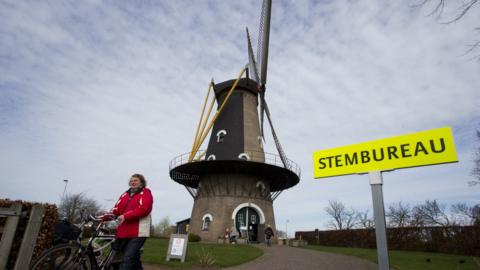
[265, 165]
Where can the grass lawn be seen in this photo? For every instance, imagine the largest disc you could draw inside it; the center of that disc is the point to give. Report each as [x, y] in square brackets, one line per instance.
[409, 260]
[155, 251]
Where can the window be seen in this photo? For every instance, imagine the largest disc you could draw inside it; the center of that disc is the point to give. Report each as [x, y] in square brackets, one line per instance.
[243, 156]
[240, 220]
[261, 186]
[211, 157]
[221, 135]
[207, 220]
[253, 218]
[206, 224]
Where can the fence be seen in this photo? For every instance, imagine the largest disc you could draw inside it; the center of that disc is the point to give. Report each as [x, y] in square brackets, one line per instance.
[464, 240]
[26, 229]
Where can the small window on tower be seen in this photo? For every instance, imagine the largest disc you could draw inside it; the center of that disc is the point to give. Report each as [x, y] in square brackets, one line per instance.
[206, 224]
[221, 135]
[211, 157]
[243, 156]
[207, 220]
[261, 186]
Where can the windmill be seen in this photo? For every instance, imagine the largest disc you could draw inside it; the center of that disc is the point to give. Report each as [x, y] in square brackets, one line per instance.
[233, 181]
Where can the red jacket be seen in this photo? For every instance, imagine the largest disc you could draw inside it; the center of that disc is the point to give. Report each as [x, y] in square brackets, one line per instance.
[136, 210]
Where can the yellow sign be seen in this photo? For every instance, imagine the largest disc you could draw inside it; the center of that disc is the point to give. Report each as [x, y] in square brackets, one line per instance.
[428, 147]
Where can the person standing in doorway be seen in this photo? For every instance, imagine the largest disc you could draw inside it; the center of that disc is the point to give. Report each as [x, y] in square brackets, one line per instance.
[133, 209]
[227, 234]
[233, 235]
[268, 235]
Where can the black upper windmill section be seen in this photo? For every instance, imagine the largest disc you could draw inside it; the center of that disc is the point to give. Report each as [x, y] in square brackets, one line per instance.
[231, 120]
[224, 157]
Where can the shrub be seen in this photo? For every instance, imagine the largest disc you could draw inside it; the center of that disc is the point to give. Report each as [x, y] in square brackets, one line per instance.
[194, 238]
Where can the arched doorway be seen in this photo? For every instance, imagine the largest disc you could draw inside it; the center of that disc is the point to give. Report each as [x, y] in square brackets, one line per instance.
[246, 221]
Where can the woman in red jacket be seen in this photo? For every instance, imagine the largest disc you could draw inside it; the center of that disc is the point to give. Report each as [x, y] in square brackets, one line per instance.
[133, 210]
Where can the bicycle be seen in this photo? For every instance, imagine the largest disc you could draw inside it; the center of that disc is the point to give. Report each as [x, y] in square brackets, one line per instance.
[97, 253]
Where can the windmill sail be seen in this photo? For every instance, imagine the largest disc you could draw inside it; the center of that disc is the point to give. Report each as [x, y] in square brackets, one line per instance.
[264, 39]
[252, 65]
[262, 55]
[283, 157]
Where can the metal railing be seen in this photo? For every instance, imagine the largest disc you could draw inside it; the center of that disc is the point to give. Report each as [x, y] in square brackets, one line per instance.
[255, 156]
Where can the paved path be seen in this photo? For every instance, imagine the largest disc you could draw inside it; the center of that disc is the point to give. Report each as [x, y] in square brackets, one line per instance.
[288, 258]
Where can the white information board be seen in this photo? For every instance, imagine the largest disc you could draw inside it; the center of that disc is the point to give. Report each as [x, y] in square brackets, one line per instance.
[177, 247]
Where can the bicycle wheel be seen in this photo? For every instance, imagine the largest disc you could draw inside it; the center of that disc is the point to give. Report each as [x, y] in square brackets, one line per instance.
[109, 263]
[65, 257]
[101, 247]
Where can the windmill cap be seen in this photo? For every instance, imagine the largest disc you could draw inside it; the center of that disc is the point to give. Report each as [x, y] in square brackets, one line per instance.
[243, 84]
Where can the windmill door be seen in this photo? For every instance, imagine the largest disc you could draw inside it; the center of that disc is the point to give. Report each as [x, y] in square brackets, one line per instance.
[247, 220]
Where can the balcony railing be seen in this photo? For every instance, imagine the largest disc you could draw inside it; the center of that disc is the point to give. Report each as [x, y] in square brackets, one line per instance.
[255, 156]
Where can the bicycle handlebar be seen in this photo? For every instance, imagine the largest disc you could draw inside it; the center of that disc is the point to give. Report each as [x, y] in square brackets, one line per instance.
[107, 217]
[103, 217]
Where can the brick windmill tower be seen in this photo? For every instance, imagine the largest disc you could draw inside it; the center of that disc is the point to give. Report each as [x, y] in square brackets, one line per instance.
[233, 181]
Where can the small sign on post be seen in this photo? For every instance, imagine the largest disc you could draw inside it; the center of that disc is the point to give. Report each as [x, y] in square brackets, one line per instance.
[423, 148]
[177, 247]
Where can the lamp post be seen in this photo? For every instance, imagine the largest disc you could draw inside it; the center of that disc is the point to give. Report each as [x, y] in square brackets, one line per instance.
[286, 229]
[65, 188]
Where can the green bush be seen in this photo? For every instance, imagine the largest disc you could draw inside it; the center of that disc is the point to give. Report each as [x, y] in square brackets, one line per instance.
[194, 238]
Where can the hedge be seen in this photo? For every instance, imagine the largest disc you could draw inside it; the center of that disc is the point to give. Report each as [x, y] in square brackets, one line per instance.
[463, 240]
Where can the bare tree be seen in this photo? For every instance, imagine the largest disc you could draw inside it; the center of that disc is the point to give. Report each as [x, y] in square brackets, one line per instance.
[476, 167]
[431, 214]
[399, 215]
[439, 8]
[336, 210]
[77, 207]
[466, 215]
[351, 219]
[463, 9]
[342, 218]
[364, 220]
[416, 219]
[163, 228]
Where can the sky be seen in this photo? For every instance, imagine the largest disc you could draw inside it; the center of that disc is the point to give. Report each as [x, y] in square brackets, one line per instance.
[94, 91]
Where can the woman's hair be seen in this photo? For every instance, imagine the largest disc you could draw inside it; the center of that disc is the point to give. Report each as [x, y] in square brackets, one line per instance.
[141, 178]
